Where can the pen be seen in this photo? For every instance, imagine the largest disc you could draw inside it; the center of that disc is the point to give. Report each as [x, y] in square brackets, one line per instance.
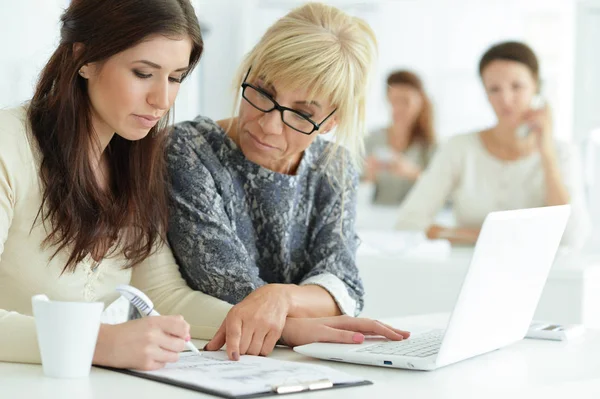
[142, 303]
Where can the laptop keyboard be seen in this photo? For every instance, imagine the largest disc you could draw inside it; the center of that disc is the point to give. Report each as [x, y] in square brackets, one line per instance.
[422, 345]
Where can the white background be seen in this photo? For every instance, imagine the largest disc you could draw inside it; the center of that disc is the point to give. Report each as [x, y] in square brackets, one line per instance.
[442, 40]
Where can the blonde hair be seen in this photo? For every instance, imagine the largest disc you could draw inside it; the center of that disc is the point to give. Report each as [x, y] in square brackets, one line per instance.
[331, 53]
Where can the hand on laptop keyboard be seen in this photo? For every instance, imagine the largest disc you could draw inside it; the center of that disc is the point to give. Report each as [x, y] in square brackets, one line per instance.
[422, 345]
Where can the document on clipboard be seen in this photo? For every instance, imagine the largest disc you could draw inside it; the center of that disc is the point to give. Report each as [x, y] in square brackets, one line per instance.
[250, 377]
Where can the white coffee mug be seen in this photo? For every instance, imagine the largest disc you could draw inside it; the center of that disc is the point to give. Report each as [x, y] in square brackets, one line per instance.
[67, 333]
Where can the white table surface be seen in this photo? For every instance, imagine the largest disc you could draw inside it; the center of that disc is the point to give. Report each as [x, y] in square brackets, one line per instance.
[530, 368]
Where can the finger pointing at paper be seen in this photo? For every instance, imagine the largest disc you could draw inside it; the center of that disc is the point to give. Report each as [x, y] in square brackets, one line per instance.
[301, 331]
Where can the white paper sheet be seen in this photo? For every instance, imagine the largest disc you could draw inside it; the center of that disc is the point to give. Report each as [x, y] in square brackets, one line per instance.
[249, 375]
[405, 244]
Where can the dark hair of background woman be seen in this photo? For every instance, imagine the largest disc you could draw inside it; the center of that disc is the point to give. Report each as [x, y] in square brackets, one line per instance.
[423, 129]
[512, 51]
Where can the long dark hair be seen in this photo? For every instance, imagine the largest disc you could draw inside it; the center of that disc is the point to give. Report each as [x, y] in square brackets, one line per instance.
[423, 128]
[133, 210]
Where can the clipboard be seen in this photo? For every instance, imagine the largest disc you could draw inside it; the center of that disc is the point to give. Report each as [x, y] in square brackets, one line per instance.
[260, 376]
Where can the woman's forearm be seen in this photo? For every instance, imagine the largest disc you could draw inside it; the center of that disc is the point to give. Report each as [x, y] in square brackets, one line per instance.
[460, 235]
[556, 191]
[310, 301]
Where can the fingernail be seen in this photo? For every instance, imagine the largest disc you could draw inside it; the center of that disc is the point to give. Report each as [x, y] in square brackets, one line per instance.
[358, 338]
[187, 339]
[235, 356]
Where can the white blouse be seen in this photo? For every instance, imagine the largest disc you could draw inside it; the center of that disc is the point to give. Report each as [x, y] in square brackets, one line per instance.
[477, 183]
[27, 267]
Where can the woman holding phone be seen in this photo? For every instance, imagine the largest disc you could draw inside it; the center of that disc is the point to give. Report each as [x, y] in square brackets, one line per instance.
[500, 168]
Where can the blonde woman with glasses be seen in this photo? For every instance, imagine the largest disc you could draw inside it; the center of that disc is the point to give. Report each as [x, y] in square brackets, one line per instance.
[263, 207]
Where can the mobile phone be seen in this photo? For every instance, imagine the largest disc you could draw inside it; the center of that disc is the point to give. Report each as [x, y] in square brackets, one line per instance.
[537, 102]
[553, 331]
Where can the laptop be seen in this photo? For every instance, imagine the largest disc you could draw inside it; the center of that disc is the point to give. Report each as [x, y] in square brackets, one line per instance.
[503, 284]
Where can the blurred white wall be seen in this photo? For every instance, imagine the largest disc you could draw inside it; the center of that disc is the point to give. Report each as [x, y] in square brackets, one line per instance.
[587, 69]
[29, 31]
[440, 39]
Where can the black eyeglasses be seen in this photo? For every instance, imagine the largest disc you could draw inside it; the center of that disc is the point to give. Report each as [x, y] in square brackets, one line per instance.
[264, 102]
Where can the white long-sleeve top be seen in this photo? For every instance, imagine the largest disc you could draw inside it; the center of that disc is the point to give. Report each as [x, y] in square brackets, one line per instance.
[27, 267]
[477, 183]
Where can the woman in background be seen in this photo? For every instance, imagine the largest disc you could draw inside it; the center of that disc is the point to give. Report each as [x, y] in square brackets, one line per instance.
[500, 168]
[397, 155]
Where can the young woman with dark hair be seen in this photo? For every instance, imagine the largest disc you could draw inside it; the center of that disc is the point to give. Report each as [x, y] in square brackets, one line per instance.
[83, 194]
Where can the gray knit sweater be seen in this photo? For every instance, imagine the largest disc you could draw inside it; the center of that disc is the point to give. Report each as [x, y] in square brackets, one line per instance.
[235, 226]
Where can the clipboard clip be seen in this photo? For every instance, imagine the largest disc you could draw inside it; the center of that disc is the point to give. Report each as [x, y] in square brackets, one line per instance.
[302, 386]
